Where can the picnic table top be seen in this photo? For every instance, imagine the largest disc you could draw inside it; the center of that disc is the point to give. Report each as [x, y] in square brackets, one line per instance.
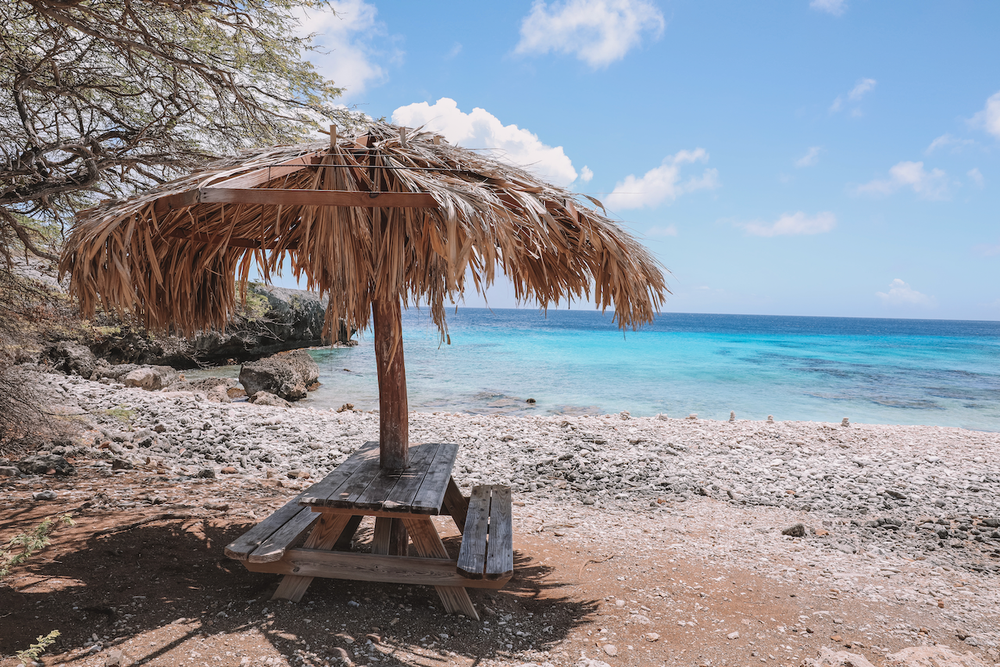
[359, 482]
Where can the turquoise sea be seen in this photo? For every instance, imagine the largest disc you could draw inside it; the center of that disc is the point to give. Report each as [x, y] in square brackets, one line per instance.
[935, 372]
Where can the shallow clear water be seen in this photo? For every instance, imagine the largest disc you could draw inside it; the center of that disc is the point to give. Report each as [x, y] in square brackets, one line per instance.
[934, 372]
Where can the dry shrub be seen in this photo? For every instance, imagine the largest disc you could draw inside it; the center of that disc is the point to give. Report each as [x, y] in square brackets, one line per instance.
[33, 314]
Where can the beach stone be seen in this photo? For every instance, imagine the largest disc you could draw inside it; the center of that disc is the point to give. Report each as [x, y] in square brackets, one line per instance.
[40, 464]
[286, 375]
[932, 656]
[151, 378]
[8, 471]
[611, 650]
[798, 530]
[48, 494]
[830, 658]
[269, 399]
[205, 473]
[121, 464]
[116, 658]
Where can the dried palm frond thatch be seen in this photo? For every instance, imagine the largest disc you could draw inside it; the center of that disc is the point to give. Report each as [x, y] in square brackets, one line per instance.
[170, 255]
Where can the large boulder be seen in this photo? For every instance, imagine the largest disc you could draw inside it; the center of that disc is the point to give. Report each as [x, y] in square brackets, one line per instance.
[40, 464]
[151, 378]
[288, 375]
[72, 358]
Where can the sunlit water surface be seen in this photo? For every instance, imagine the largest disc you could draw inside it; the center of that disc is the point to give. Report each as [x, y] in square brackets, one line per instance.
[936, 372]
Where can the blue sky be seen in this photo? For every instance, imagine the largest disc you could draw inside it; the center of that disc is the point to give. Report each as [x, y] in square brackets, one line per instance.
[824, 157]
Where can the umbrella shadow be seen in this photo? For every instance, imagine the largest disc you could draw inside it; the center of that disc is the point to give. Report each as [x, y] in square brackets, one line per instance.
[163, 589]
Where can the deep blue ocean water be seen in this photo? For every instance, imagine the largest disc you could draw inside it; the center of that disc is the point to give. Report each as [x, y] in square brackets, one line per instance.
[887, 371]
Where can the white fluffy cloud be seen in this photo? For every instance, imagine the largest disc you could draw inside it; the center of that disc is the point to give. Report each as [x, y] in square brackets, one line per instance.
[835, 7]
[989, 118]
[945, 141]
[793, 224]
[481, 129]
[344, 35]
[810, 158]
[598, 32]
[586, 174]
[860, 89]
[664, 183]
[931, 184]
[902, 294]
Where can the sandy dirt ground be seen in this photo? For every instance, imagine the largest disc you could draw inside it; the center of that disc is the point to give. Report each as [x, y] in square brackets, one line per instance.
[141, 578]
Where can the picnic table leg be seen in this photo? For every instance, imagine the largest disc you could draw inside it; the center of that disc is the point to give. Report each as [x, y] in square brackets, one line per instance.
[323, 536]
[428, 544]
[390, 538]
[346, 537]
[456, 504]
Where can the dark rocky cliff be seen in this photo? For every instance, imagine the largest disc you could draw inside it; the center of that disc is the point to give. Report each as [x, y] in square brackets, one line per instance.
[275, 319]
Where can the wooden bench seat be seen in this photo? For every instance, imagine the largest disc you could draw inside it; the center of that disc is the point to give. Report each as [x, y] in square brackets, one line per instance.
[487, 542]
[271, 538]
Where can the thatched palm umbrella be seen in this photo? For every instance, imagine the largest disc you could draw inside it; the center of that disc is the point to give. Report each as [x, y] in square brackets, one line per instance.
[387, 218]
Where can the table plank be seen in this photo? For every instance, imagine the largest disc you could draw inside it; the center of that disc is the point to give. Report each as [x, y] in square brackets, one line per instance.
[371, 567]
[382, 487]
[430, 497]
[318, 493]
[500, 548]
[274, 546]
[248, 542]
[408, 483]
[356, 484]
[472, 557]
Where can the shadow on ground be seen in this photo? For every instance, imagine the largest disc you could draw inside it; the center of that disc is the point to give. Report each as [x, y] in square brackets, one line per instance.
[165, 593]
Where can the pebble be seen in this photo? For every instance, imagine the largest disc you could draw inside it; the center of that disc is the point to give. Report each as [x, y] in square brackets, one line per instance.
[48, 494]
[611, 650]
[733, 635]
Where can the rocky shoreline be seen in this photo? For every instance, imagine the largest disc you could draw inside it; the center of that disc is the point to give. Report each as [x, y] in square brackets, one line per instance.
[896, 514]
[920, 490]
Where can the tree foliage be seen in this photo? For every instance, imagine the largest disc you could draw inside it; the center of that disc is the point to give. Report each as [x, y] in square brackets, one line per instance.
[105, 96]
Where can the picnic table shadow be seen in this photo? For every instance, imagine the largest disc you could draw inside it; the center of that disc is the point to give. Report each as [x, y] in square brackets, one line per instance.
[173, 575]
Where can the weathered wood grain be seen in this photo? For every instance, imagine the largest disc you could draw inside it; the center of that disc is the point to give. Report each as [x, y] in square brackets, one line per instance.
[472, 554]
[500, 547]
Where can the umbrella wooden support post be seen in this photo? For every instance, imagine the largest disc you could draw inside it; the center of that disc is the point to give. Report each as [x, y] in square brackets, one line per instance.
[393, 419]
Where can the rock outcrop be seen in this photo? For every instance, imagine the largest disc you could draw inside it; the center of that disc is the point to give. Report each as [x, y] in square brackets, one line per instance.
[279, 319]
[287, 375]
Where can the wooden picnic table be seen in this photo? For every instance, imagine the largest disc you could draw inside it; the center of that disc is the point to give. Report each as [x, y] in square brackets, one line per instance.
[402, 502]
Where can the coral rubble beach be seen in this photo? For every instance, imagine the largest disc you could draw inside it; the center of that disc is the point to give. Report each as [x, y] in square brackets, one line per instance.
[890, 514]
